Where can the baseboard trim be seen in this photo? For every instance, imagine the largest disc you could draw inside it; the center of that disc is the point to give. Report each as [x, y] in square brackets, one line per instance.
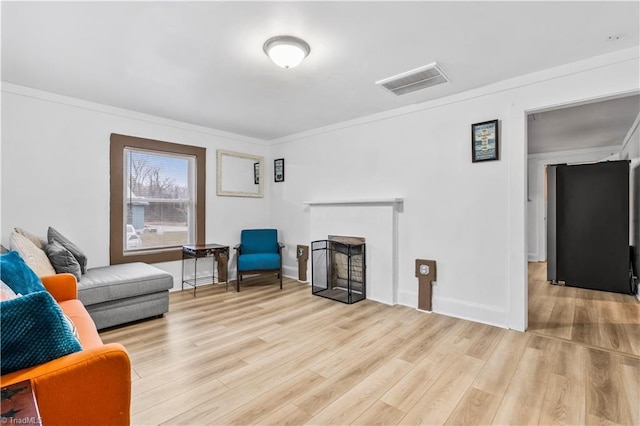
[291, 272]
[408, 298]
[295, 278]
[476, 312]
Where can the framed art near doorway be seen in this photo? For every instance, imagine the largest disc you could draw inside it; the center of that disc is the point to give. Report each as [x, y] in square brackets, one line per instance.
[484, 141]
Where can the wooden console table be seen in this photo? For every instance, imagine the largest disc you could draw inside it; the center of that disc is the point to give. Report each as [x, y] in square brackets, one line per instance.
[218, 253]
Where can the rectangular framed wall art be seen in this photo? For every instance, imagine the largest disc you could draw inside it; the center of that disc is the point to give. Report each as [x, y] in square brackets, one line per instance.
[278, 170]
[485, 141]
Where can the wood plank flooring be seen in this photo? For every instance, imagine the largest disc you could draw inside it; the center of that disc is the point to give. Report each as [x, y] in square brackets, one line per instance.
[597, 319]
[268, 356]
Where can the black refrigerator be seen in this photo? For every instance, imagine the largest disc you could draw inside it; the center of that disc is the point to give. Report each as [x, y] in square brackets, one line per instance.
[588, 225]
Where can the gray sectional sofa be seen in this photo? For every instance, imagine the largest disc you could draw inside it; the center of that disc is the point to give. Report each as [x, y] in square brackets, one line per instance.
[113, 295]
[119, 294]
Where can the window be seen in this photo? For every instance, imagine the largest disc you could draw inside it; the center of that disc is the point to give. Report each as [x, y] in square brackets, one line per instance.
[157, 199]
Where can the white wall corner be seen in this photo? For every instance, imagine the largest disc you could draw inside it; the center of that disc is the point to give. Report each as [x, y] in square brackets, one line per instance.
[516, 316]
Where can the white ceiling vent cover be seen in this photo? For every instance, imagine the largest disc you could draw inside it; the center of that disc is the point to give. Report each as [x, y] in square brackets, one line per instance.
[417, 79]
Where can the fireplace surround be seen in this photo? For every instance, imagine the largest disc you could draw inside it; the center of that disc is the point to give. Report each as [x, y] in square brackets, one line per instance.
[375, 219]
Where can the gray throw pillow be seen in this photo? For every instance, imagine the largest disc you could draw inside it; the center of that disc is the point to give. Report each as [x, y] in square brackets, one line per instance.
[53, 235]
[62, 259]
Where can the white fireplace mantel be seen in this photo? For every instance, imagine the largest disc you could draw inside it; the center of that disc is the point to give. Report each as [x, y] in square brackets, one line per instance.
[382, 201]
[374, 219]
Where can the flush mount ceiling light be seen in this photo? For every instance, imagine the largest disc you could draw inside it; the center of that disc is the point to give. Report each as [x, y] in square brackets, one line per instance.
[286, 51]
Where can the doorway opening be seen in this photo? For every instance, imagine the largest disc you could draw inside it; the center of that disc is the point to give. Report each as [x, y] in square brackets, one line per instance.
[587, 132]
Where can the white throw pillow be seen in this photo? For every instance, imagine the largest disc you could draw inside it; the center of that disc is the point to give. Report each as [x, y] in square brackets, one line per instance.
[33, 256]
[39, 242]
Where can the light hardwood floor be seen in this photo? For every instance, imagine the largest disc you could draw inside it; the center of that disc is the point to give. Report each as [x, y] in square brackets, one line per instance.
[270, 356]
[597, 319]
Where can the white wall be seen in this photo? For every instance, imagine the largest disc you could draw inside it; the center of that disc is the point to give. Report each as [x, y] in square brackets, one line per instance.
[536, 203]
[469, 217]
[55, 170]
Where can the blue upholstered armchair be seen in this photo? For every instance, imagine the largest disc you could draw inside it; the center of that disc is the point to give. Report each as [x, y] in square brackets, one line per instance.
[259, 252]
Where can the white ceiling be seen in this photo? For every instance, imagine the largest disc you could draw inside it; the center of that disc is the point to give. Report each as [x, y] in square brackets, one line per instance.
[202, 62]
[592, 125]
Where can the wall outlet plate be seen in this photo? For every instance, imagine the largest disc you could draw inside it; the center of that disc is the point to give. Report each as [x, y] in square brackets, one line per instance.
[424, 269]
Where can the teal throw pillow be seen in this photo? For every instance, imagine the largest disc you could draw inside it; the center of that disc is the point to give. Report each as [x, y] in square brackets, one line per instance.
[17, 274]
[34, 331]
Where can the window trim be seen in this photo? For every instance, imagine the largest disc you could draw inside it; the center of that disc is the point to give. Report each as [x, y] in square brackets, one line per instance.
[116, 210]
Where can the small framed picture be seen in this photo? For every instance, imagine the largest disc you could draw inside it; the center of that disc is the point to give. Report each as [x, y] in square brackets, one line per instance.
[485, 141]
[278, 170]
[256, 173]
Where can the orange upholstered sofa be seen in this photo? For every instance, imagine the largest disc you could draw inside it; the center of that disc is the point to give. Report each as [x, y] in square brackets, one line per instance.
[90, 387]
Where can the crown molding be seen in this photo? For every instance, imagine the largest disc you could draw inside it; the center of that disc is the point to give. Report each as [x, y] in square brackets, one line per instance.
[620, 56]
[29, 92]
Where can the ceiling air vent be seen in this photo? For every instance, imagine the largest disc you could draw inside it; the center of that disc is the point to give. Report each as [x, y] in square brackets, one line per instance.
[417, 79]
